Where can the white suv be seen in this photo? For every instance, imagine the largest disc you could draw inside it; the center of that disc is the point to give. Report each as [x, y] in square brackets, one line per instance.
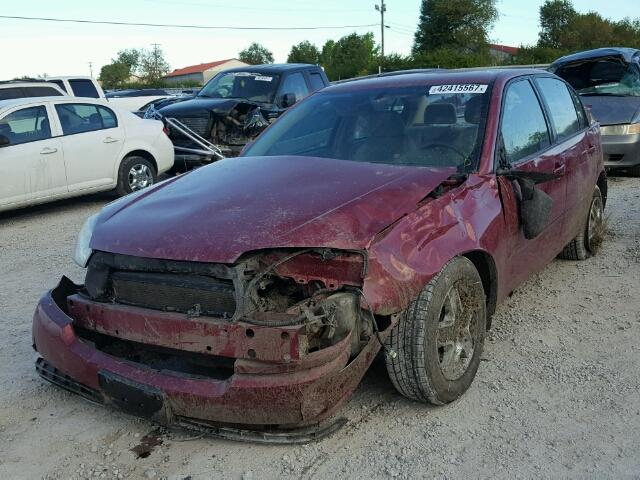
[58, 147]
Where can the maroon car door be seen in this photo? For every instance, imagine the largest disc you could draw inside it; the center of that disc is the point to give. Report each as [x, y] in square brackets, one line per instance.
[579, 141]
[526, 145]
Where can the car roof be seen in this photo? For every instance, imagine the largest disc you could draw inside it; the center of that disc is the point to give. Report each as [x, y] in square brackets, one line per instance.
[26, 83]
[71, 77]
[628, 54]
[272, 68]
[444, 77]
[61, 99]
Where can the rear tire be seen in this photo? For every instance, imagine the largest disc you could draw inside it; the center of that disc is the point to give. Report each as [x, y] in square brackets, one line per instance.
[588, 241]
[135, 173]
[439, 339]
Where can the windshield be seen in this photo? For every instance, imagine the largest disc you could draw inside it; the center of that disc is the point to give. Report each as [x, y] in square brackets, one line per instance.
[604, 76]
[256, 87]
[421, 126]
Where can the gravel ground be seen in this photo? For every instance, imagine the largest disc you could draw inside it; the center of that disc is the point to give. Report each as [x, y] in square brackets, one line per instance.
[556, 395]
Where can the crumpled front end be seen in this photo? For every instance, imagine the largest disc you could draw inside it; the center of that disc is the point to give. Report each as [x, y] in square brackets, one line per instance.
[210, 134]
[275, 341]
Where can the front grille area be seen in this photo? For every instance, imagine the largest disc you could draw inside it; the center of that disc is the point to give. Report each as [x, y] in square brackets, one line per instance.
[166, 285]
[200, 125]
[616, 157]
[175, 293]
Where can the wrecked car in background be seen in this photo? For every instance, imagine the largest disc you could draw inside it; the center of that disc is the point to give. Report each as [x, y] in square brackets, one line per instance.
[247, 300]
[233, 108]
[608, 80]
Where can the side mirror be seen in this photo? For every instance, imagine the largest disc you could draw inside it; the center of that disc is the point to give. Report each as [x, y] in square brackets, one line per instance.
[535, 205]
[288, 100]
[4, 141]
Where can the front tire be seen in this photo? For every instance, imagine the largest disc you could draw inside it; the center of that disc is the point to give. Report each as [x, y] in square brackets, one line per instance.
[439, 339]
[135, 173]
[588, 241]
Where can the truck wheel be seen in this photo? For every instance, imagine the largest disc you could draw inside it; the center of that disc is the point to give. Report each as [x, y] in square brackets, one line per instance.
[588, 241]
[439, 339]
[135, 173]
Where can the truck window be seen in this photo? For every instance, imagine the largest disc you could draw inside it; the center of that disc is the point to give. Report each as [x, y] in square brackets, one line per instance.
[83, 88]
[295, 84]
[59, 83]
[316, 80]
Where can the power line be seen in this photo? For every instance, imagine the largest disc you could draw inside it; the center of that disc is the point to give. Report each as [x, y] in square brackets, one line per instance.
[167, 25]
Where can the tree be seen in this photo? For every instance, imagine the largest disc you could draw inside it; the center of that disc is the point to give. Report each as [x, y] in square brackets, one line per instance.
[256, 54]
[555, 16]
[130, 57]
[153, 66]
[114, 75]
[304, 52]
[454, 24]
[351, 56]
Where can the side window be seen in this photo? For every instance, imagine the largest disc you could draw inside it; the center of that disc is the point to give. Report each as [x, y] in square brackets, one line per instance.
[296, 84]
[108, 117]
[26, 125]
[59, 83]
[79, 118]
[83, 88]
[316, 81]
[41, 92]
[9, 93]
[582, 114]
[562, 109]
[524, 129]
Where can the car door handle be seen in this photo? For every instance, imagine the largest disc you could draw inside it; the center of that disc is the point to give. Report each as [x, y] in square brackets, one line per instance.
[48, 151]
[110, 140]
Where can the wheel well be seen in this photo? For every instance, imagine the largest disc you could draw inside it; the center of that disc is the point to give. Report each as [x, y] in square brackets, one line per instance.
[603, 186]
[144, 154]
[487, 269]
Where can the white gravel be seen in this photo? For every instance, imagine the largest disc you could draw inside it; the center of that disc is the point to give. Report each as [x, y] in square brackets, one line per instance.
[555, 397]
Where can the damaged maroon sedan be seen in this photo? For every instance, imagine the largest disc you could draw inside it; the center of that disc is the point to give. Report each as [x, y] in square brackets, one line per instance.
[247, 299]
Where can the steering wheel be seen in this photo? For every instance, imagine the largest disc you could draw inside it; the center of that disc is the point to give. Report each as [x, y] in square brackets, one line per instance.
[445, 146]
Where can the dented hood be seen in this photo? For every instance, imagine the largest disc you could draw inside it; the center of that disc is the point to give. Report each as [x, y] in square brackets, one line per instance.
[201, 106]
[219, 212]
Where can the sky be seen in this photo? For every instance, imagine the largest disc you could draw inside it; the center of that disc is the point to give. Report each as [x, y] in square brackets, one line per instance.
[35, 48]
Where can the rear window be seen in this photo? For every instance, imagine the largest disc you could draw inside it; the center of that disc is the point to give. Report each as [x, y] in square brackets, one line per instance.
[84, 88]
[604, 76]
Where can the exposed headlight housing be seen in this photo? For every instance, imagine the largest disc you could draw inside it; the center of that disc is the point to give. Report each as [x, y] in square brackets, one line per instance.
[83, 251]
[626, 129]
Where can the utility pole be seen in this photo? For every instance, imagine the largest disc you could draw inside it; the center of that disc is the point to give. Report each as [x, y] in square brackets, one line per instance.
[91, 69]
[382, 8]
[155, 60]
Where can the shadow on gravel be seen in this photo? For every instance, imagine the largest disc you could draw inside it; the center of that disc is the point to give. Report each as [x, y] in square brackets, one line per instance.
[59, 206]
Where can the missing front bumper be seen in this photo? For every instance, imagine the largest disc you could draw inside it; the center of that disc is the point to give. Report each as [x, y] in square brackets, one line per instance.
[272, 403]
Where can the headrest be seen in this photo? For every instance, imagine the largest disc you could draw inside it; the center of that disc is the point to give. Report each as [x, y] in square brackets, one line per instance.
[440, 114]
[5, 129]
[473, 110]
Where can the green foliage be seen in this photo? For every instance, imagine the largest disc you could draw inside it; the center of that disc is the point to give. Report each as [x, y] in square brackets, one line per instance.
[564, 30]
[152, 65]
[351, 56]
[454, 24]
[256, 54]
[147, 65]
[304, 52]
[114, 75]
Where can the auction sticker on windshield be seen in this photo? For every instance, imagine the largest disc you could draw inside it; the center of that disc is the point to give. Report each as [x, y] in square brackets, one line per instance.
[261, 78]
[460, 88]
